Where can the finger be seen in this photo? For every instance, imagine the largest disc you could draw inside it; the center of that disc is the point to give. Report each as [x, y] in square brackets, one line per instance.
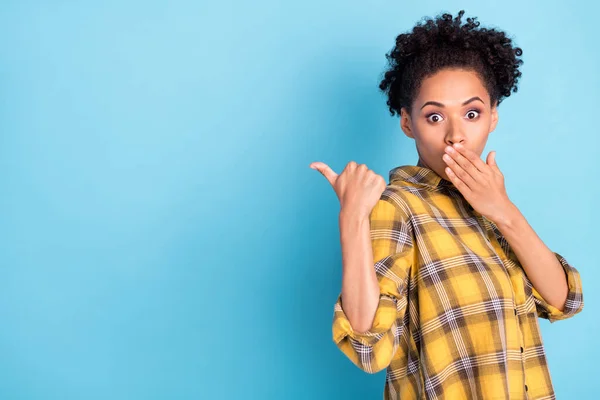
[491, 161]
[324, 169]
[464, 162]
[459, 171]
[471, 156]
[459, 183]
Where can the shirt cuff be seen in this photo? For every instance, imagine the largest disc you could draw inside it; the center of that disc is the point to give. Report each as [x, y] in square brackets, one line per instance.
[574, 303]
[385, 316]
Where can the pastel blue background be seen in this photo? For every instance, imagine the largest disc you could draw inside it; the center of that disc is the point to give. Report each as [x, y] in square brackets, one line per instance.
[161, 234]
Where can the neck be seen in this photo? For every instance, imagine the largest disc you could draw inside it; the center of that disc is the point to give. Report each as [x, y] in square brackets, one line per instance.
[421, 163]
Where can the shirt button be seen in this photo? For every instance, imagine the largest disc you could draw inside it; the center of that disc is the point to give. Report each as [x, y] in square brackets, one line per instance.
[526, 388]
[521, 349]
[515, 311]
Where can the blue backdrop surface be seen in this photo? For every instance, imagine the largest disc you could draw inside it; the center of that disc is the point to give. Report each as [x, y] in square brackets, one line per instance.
[161, 234]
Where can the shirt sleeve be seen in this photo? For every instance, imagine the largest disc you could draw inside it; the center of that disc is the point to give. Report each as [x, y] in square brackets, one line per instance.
[393, 254]
[574, 302]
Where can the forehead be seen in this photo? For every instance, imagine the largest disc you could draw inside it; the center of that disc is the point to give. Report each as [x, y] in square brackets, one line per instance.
[451, 87]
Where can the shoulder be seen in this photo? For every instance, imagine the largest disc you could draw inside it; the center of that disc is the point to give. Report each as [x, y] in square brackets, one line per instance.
[396, 206]
[408, 199]
[394, 197]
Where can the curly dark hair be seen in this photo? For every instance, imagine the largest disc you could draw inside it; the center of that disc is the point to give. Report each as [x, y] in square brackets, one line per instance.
[445, 43]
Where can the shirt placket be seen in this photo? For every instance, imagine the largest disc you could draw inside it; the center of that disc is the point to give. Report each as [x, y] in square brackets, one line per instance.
[517, 317]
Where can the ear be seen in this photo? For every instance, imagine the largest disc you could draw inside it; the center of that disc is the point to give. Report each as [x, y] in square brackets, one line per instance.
[405, 123]
[494, 121]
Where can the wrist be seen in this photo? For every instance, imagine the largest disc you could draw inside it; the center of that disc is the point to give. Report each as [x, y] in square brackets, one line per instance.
[351, 215]
[508, 218]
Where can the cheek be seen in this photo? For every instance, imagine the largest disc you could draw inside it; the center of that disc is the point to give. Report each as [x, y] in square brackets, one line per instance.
[480, 145]
[488, 121]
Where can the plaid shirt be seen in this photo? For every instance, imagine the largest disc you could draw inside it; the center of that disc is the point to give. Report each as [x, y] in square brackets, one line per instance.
[457, 316]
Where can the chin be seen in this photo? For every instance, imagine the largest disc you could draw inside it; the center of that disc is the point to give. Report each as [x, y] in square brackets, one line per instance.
[443, 174]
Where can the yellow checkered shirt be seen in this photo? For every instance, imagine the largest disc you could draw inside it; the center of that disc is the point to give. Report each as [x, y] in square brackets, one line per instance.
[457, 316]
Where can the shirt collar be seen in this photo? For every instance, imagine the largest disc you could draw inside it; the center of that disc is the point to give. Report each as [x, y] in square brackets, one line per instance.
[421, 176]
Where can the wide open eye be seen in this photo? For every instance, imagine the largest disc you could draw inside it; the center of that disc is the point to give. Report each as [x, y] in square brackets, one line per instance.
[434, 115]
[471, 112]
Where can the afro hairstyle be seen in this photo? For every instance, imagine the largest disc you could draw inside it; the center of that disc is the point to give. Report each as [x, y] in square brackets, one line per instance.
[445, 42]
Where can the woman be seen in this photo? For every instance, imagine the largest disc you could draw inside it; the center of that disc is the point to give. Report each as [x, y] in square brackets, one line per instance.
[443, 278]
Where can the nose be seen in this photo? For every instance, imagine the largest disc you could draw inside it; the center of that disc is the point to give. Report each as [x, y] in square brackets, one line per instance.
[451, 142]
[454, 135]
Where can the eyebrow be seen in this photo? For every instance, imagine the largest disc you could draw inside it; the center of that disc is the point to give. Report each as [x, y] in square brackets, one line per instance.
[435, 103]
